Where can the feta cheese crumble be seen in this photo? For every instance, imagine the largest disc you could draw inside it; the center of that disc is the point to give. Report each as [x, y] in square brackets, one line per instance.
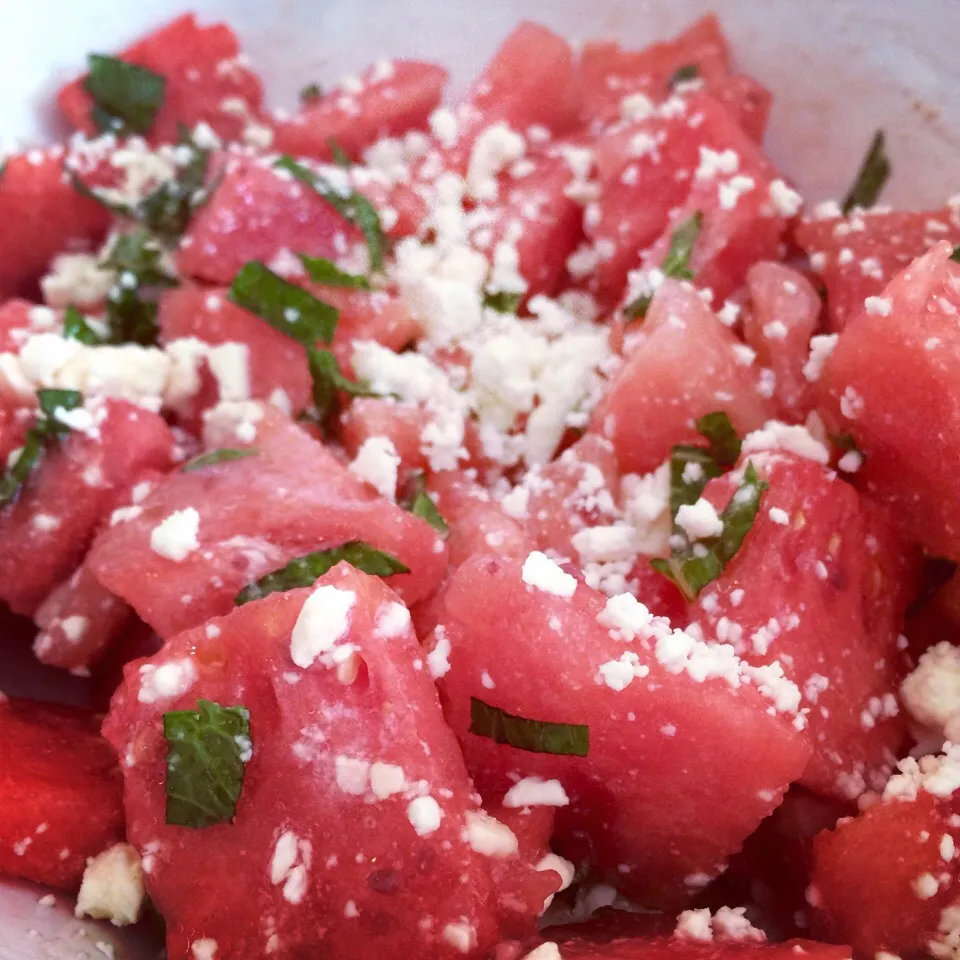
[540, 572]
[176, 536]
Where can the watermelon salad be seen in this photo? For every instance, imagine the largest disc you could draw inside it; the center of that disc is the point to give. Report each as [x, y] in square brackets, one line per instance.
[515, 527]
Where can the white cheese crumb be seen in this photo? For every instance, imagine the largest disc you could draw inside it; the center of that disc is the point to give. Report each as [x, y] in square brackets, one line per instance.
[176, 536]
[931, 693]
[424, 814]
[74, 628]
[878, 306]
[353, 775]
[461, 936]
[925, 886]
[438, 659]
[386, 779]
[546, 951]
[166, 681]
[821, 346]
[490, 837]
[536, 792]
[378, 462]
[112, 887]
[540, 572]
[785, 200]
[779, 515]
[781, 436]
[392, 620]
[322, 623]
[699, 520]
[494, 150]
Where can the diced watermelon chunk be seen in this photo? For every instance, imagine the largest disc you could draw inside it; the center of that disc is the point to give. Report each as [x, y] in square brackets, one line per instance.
[367, 822]
[905, 423]
[73, 489]
[881, 879]
[748, 100]
[78, 621]
[642, 803]
[681, 366]
[609, 73]
[255, 515]
[386, 100]
[41, 215]
[60, 792]
[530, 81]
[821, 584]
[274, 360]
[477, 523]
[576, 490]
[648, 170]
[207, 80]
[253, 215]
[783, 315]
[857, 256]
[401, 423]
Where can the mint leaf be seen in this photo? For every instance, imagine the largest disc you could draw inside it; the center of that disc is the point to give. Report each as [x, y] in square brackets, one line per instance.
[132, 302]
[693, 565]
[75, 327]
[126, 97]
[351, 206]
[340, 156]
[536, 736]
[871, 178]
[717, 429]
[684, 74]
[304, 571]
[676, 263]
[207, 752]
[224, 455]
[326, 272]
[285, 306]
[421, 505]
[503, 302]
[311, 93]
[955, 256]
[44, 432]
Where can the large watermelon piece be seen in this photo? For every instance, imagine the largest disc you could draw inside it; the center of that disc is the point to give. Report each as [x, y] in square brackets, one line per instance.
[355, 805]
[661, 711]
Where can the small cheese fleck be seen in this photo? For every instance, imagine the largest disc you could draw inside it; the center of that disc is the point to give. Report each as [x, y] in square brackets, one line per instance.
[536, 792]
[424, 814]
[166, 681]
[323, 621]
[378, 462]
[489, 836]
[176, 536]
[540, 572]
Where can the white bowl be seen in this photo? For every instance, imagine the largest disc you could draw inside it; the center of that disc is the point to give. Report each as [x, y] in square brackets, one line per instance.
[839, 69]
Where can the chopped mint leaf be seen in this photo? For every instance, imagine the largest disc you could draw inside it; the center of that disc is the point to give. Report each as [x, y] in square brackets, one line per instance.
[46, 430]
[873, 174]
[304, 571]
[351, 206]
[503, 302]
[676, 263]
[684, 74]
[132, 301]
[207, 752]
[340, 156]
[536, 736]
[126, 97]
[421, 505]
[76, 327]
[311, 93]
[717, 429]
[691, 468]
[285, 306]
[693, 565]
[223, 455]
[323, 271]
[328, 379]
[637, 308]
[955, 256]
